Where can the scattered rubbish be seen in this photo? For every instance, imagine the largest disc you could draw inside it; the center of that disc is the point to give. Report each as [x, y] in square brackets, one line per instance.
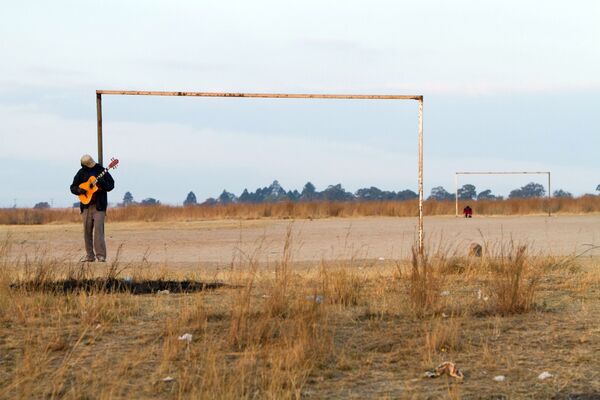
[381, 259]
[500, 378]
[545, 375]
[445, 293]
[448, 368]
[166, 291]
[317, 299]
[481, 295]
[186, 337]
[444, 315]
[168, 379]
[265, 296]
[98, 326]
[128, 279]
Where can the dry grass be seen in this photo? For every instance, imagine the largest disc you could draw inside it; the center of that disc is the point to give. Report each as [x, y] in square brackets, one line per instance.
[339, 329]
[306, 210]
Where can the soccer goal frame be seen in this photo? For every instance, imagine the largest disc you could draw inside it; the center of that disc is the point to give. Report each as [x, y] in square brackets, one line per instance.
[457, 174]
[418, 98]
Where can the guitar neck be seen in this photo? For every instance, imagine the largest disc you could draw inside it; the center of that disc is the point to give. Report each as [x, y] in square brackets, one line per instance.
[101, 174]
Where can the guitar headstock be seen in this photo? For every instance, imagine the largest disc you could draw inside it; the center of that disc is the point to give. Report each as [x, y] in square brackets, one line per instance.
[113, 163]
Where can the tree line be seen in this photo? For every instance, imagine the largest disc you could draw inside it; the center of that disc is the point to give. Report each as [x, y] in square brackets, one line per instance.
[276, 193]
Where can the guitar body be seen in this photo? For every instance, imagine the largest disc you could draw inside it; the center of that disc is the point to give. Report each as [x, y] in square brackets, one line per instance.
[90, 187]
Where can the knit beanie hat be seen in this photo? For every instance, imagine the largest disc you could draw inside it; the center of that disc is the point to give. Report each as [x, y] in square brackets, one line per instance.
[87, 161]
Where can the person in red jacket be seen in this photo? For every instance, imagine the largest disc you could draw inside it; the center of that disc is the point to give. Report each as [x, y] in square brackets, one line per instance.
[93, 213]
[468, 211]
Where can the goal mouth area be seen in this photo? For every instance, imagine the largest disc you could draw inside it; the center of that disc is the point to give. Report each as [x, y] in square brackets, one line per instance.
[418, 98]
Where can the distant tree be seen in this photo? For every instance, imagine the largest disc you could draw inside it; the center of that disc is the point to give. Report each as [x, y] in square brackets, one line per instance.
[190, 200]
[530, 190]
[245, 197]
[76, 204]
[226, 198]
[406, 195]
[598, 188]
[562, 194]
[211, 201]
[467, 192]
[275, 192]
[293, 195]
[42, 205]
[487, 195]
[150, 202]
[309, 192]
[127, 199]
[439, 193]
[369, 194]
[336, 193]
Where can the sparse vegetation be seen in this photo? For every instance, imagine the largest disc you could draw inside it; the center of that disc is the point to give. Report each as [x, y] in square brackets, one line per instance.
[295, 330]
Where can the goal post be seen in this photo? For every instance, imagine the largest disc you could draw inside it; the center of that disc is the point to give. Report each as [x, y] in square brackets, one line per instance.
[547, 173]
[418, 98]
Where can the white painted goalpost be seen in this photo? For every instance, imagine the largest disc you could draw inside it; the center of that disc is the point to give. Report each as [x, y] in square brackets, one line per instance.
[457, 174]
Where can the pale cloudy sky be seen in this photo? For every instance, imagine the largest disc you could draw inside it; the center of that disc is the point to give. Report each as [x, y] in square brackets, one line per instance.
[508, 85]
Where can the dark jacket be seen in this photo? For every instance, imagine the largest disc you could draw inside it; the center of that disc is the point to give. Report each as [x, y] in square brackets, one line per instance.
[105, 184]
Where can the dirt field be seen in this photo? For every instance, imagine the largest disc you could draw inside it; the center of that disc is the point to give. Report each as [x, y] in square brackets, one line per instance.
[337, 328]
[217, 242]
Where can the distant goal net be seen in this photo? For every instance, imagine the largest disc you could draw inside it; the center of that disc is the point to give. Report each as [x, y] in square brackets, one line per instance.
[460, 173]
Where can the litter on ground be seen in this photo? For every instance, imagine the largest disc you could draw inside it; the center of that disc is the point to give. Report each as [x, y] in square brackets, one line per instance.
[447, 368]
[545, 375]
[186, 337]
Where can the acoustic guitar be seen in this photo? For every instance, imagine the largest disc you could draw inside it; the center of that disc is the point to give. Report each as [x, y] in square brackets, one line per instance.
[90, 185]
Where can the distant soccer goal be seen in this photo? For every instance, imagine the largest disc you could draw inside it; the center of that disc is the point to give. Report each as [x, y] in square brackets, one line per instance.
[457, 174]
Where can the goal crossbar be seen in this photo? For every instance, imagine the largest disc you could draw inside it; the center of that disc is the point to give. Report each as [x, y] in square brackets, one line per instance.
[456, 175]
[418, 98]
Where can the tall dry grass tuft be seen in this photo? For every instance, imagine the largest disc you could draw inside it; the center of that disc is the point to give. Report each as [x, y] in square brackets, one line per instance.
[424, 283]
[514, 281]
[306, 210]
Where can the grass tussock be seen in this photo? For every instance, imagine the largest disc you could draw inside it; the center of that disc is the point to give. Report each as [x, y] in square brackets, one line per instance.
[307, 210]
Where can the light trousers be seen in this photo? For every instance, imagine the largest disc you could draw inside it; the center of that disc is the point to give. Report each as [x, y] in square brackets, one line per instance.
[93, 232]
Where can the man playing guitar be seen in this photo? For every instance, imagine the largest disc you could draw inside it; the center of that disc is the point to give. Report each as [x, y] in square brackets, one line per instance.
[94, 201]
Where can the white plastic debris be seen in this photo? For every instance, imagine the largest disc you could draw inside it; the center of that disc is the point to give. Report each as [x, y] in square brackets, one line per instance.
[128, 279]
[166, 291]
[168, 379]
[500, 378]
[381, 259]
[317, 299]
[445, 293]
[481, 295]
[186, 337]
[98, 326]
[545, 375]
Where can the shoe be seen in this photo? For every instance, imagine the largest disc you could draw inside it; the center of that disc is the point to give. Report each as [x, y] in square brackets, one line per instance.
[87, 259]
[101, 259]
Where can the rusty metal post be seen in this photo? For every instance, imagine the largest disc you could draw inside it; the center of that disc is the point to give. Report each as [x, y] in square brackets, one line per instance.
[549, 196]
[421, 239]
[456, 194]
[99, 121]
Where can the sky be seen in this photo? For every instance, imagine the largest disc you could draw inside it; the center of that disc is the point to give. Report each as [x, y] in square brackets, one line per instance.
[507, 85]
